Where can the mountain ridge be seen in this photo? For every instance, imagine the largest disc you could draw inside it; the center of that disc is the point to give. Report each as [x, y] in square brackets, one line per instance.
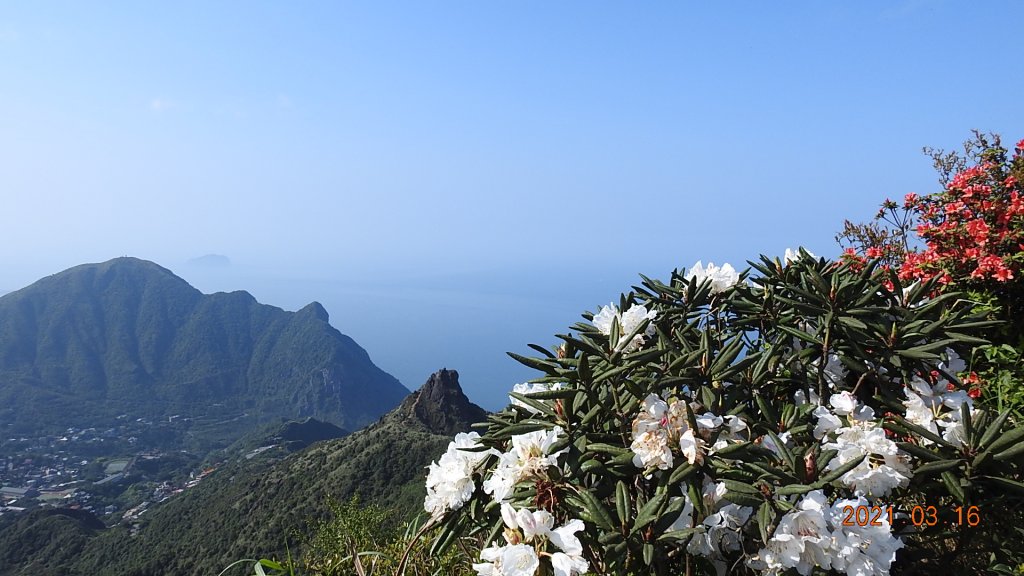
[109, 332]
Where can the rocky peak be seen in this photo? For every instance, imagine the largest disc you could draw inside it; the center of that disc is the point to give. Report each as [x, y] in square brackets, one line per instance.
[441, 406]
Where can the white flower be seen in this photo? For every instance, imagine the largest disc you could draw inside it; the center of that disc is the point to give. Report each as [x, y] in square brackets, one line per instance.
[827, 422]
[565, 537]
[707, 422]
[843, 403]
[733, 432]
[651, 449]
[529, 457]
[628, 323]
[793, 255]
[532, 388]
[685, 519]
[931, 407]
[533, 524]
[884, 467]
[721, 534]
[569, 561]
[862, 550]
[802, 539]
[720, 278]
[503, 478]
[692, 447]
[802, 398]
[954, 363]
[660, 426]
[835, 372]
[650, 444]
[509, 560]
[450, 479]
[565, 565]
[533, 450]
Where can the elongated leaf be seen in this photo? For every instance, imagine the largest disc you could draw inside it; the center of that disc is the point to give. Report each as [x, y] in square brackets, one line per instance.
[1010, 438]
[920, 452]
[965, 418]
[535, 404]
[785, 452]
[649, 512]
[1010, 453]
[852, 322]
[584, 344]
[765, 517]
[993, 429]
[525, 427]
[920, 431]
[597, 510]
[622, 502]
[607, 449]
[682, 472]
[678, 535]
[766, 409]
[545, 366]
[774, 473]
[793, 489]
[736, 486]
[732, 449]
[562, 393]
[800, 334]
[838, 472]
[1006, 483]
[953, 485]
[936, 467]
[547, 353]
[744, 499]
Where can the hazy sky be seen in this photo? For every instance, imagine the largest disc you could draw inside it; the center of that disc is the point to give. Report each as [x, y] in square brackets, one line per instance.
[456, 179]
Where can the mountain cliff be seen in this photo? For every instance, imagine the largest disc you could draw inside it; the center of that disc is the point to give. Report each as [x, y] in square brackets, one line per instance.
[129, 337]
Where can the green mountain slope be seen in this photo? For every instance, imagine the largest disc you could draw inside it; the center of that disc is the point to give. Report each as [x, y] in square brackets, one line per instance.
[129, 337]
[250, 508]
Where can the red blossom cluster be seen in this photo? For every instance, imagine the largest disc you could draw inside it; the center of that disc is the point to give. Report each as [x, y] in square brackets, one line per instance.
[972, 229]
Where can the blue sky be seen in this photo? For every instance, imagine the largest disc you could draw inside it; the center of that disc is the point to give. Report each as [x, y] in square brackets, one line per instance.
[453, 180]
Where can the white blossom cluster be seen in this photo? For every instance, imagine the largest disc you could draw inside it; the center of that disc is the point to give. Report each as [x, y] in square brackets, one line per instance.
[528, 535]
[938, 408]
[721, 278]
[813, 535]
[529, 457]
[661, 427]
[532, 388]
[450, 479]
[850, 428]
[884, 467]
[720, 531]
[629, 321]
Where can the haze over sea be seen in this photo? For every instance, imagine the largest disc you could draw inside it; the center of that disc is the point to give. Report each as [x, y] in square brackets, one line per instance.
[453, 181]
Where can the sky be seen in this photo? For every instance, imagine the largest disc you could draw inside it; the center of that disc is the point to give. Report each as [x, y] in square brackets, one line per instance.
[454, 180]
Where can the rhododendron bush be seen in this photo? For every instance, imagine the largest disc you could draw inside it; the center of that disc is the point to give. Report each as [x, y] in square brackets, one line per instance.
[804, 416]
[970, 237]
